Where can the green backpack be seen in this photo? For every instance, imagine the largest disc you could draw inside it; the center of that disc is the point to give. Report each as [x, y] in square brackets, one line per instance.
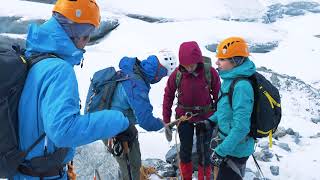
[207, 69]
[207, 66]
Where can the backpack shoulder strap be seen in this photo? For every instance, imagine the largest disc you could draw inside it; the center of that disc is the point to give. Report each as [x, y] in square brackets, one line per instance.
[178, 78]
[207, 73]
[37, 58]
[110, 88]
[233, 84]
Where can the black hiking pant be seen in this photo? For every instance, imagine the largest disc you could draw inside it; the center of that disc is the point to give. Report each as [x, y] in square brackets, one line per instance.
[186, 132]
[225, 172]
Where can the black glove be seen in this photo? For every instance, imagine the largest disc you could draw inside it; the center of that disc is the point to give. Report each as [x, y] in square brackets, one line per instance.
[205, 125]
[216, 159]
[128, 135]
[168, 133]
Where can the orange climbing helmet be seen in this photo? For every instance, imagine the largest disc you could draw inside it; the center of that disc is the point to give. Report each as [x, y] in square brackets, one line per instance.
[79, 11]
[231, 47]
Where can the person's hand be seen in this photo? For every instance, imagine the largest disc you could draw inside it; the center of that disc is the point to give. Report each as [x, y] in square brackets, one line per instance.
[168, 132]
[128, 135]
[216, 159]
[206, 125]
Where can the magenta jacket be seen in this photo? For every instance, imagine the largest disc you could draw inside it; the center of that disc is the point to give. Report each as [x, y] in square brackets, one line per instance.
[193, 86]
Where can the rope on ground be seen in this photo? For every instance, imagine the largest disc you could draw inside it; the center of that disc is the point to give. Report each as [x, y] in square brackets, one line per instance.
[146, 172]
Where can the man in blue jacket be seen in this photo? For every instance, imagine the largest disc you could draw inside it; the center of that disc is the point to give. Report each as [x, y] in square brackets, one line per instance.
[132, 98]
[49, 105]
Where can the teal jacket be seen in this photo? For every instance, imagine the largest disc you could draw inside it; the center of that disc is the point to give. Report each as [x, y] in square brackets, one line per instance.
[235, 121]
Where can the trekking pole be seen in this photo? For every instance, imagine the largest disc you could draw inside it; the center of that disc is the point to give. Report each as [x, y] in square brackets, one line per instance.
[126, 154]
[202, 152]
[203, 155]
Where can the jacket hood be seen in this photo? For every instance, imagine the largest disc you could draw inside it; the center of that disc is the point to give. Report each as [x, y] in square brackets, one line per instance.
[51, 38]
[246, 69]
[152, 70]
[190, 53]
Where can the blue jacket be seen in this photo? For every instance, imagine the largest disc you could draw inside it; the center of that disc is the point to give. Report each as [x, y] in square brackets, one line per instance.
[132, 96]
[235, 122]
[50, 99]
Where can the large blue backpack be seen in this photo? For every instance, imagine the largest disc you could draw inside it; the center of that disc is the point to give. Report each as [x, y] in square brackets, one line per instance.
[102, 87]
[13, 71]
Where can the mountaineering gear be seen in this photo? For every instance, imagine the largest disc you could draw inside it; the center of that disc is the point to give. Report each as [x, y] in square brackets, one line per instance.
[130, 95]
[266, 113]
[204, 173]
[237, 60]
[187, 90]
[216, 159]
[74, 30]
[134, 92]
[102, 87]
[202, 128]
[13, 60]
[195, 84]
[235, 121]
[126, 154]
[190, 53]
[71, 173]
[168, 133]
[129, 135]
[232, 168]
[193, 78]
[231, 47]
[50, 99]
[167, 59]
[207, 70]
[135, 162]
[145, 172]
[84, 11]
[186, 170]
[186, 132]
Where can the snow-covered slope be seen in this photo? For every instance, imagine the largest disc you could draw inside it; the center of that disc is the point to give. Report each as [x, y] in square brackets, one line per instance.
[296, 59]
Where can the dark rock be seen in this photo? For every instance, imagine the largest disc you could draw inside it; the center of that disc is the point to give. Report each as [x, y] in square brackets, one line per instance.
[263, 48]
[315, 120]
[99, 159]
[253, 48]
[284, 146]
[275, 80]
[296, 140]
[318, 36]
[15, 25]
[264, 155]
[274, 170]
[290, 131]
[277, 11]
[263, 145]
[163, 168]
[279, 133]
[6, 42]
[149, 18]
[316, 136]
[294, 12]
[171, 156]
[106, 26]
[43, 1]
